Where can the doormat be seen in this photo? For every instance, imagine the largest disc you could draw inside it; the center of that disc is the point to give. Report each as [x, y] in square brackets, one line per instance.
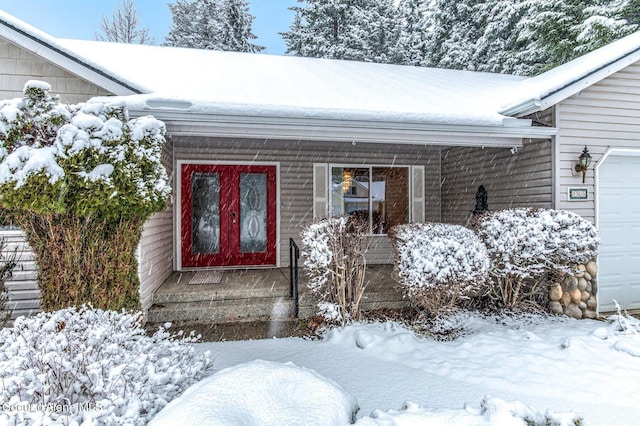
[206, 277]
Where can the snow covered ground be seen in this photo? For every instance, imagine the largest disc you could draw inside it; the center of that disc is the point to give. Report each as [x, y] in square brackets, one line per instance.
[499, 371]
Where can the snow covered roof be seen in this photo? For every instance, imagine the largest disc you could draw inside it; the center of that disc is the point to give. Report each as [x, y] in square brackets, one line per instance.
[312, 96]
[214, 81]
[549, 88]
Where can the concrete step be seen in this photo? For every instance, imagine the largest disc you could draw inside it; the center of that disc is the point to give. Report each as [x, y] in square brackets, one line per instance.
[223, 311]
[210, 294]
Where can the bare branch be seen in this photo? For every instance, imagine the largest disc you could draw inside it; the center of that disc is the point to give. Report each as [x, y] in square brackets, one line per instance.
[123, 26]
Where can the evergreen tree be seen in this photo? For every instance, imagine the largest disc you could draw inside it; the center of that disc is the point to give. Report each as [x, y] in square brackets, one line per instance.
[606, 22]
[342, 29]
[212, 24]
[375, 27]
[499, 47]
[236, 29]
[411, 45]
[454, 29]
[81, 181]
[552, 29]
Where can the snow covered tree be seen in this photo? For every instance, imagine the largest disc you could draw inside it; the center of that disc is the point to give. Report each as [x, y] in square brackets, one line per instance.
[213, 25]
[342, 29]
[454, 29]
[236, 31]
[411, 44]
[375, 28]
[607, 22]
[499, 47]
[80, 180]
[124, 26]
[196, 24]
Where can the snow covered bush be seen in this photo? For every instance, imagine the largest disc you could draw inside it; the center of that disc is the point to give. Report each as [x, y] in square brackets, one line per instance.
[526, 245]
[88, 366]
[437, 264]
[80, 180]
[335, 264]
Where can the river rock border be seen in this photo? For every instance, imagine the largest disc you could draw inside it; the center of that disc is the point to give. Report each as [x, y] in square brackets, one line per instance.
[575, 295]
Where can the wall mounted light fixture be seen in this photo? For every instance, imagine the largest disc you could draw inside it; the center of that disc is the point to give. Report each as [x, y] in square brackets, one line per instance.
[584, 161]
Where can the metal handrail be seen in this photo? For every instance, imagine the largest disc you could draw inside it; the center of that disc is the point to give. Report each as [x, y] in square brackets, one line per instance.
[294, 255]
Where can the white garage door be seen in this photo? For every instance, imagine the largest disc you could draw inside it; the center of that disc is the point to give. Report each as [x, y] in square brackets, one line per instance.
[619, 226]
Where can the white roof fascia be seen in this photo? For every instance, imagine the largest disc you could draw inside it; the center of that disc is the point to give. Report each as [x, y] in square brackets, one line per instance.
[572, 87]
[47, 49]
[291, 128]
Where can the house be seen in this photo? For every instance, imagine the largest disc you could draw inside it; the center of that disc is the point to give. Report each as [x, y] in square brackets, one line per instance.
[258, 146]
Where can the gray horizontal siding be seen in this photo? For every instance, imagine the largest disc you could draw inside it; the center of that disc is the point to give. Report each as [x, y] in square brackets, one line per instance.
[520, 179]
[296, 160]
[156, 242]
[604, 116]
[17, 66]
[22, 286]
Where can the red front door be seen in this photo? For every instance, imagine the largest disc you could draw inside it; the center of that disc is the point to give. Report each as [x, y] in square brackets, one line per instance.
[228, 215]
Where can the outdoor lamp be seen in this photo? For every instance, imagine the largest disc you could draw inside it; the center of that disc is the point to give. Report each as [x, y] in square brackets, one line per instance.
[584, 161]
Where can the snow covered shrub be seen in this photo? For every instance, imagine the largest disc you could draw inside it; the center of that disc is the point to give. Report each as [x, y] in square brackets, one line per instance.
[80, 180]
[526, 245]
[437, 264]
[335, 264]
[87, 365]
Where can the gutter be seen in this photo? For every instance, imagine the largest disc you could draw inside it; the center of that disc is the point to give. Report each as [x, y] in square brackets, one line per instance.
[353, 131]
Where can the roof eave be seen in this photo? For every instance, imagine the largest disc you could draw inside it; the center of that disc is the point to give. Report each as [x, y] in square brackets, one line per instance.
[315, 129]
[572, 87]
[57, 55]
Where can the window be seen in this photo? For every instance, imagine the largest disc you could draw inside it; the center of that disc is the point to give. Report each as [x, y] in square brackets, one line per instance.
[378, 195]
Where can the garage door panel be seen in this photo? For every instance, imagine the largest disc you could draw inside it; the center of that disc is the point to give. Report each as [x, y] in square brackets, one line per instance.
[619, 227]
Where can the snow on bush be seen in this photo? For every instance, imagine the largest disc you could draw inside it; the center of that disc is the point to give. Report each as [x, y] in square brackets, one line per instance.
[335, 264]
[261, 393]
[87, 158]
[87, 365]
[528, 245]
[438, 263]
[527, 242]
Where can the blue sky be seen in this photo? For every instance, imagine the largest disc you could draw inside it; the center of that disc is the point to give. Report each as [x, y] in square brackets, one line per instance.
[81, 18]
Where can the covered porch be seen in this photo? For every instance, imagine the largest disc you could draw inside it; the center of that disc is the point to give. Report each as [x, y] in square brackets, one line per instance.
[254, 295]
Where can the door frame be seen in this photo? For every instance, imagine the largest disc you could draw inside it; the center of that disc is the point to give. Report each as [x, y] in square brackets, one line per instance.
[177, 211]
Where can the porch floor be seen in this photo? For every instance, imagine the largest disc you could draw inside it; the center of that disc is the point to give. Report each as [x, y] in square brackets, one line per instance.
[255, 295]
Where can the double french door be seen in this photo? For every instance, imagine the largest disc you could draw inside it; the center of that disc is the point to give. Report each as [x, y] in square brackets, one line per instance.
[228, 215]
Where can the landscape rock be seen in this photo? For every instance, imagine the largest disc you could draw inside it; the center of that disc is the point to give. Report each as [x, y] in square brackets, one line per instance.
[555, 292]
[573, 311]
[555, 307]
[576, 295]
[582, 283]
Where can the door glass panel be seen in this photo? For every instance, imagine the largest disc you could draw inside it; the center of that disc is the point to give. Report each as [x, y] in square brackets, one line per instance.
[253, 212]
[205, 213]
